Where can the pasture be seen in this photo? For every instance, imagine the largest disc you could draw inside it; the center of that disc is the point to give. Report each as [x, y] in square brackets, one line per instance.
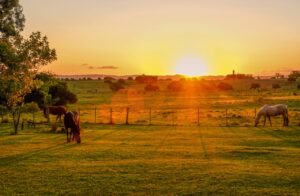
[178, 158]
[152, 160]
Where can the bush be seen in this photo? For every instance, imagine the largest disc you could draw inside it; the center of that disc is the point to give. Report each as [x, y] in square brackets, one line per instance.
[255, 86]
[175, 86]
[30, 107]
[143, 79]
[275, 86]
[292, 79]
[298, 86]
[116, 86]
[108, 79]
[224, 86]
[121, 81]
[151, 87]
[61, 95]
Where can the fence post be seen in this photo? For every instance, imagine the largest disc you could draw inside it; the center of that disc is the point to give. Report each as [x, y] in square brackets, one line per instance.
[150, 114]
[33, 119]
[95, 114]
[127, 114]
[198, 115]
[111, 118]
[226, 117]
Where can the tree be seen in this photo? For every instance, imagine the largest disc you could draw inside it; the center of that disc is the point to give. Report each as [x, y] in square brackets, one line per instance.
[175, 86]
[275, 86]
[255, 86]
[224, 86]
[12, 20]
[20, 58]
[151, 87]
[61, 95]
[116, 86]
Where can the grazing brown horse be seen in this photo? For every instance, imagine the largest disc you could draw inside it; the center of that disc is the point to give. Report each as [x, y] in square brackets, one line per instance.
[72, 123]
[55, 110]
[273, 110]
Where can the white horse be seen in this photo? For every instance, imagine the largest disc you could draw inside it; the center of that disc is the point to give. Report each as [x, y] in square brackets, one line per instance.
[273, 110]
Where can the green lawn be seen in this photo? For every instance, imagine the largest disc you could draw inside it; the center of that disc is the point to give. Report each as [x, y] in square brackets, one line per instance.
[151, 160]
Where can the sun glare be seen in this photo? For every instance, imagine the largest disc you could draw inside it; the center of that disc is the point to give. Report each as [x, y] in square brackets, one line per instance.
[191, 66]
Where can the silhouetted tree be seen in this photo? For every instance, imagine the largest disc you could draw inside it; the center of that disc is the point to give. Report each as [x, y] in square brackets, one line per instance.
[20, 58]
[61, 95]
[224, 86]
[151, 87]
[255, 86]
[175, 86]
[116, 86]
[275, 86]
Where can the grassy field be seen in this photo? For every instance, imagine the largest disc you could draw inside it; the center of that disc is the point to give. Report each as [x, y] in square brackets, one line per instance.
[151, 160]
[186, 159]
[169, 108]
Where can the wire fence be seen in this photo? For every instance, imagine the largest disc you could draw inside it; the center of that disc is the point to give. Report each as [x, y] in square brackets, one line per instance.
[178, 116]
[196, 116]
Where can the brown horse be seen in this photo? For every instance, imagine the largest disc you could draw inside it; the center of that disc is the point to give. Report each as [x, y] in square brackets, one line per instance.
[55, 110]
[273, 110]
[72, 123]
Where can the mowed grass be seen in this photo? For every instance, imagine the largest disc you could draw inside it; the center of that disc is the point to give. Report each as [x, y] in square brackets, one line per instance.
[152, 160]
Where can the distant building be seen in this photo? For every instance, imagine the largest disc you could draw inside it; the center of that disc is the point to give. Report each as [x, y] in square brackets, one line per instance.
[235, 76]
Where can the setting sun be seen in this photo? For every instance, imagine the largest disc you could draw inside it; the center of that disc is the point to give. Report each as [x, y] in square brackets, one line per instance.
[191, 66]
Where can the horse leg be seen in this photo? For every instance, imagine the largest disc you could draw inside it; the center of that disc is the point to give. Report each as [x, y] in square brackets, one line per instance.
[67, 131]
[270, 120]
[265, 118]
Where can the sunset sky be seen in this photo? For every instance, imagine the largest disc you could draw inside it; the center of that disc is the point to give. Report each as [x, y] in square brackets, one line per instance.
[192, 37]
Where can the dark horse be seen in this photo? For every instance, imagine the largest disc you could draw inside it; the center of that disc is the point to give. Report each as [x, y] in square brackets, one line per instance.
[55, 110]
[72, 122]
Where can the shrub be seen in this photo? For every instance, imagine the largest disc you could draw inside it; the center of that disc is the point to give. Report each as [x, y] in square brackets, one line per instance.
[143, 79]
[275, 86]
[108, 78]
[175, 86]
[61, 95]
[151, 87]
[292, 79]
[298, 86]
[255, 86]
[121, 81]
[224, 86]
[116, 86]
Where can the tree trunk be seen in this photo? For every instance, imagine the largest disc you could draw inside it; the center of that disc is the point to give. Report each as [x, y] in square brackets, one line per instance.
[16, 119]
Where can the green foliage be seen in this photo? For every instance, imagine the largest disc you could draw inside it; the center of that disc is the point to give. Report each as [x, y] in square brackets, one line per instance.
[116, 86]
[61, 95]
[20, 58]
[30, 107]
[36, 95]
[12, 20]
